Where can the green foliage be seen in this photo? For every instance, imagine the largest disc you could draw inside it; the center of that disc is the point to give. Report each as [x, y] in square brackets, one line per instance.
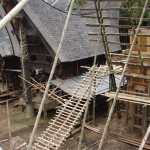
[135, 13]
[78, 4]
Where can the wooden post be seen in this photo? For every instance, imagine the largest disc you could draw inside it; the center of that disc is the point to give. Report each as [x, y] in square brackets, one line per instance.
[93, 117]
[127, 113]
[145, 113]
[145, 139]
[144, 120]
[9, 125]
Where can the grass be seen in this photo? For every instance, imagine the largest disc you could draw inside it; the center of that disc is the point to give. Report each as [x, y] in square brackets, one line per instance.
[19, 117]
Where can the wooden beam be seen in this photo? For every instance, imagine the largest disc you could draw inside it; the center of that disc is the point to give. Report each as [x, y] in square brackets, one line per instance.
[107, 25]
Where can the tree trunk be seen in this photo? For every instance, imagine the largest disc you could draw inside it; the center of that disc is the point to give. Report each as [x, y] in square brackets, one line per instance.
[26, 72]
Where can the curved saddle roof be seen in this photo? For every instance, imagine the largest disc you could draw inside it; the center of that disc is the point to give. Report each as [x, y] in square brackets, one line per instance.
[9, 45]
[50, 21]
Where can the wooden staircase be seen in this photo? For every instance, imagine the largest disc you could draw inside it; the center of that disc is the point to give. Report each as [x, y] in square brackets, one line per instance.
[69, 113]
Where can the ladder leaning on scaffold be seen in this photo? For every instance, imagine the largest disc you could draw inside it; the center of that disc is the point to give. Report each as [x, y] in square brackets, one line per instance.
[69, 113]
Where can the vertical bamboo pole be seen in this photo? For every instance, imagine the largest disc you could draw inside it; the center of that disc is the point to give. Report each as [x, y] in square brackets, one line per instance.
[88, 99]
[87, 104]
[144, 120]
[51, 76]
[145, 113]
[144, 139]
[122, 77]
[13, 13]
[93, 117]
[9, 125]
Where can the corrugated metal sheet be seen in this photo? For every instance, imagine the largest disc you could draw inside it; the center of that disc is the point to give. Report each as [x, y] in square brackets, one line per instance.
[70, 85]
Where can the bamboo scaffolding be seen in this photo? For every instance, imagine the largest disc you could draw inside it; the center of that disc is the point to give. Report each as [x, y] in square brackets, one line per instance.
[137, 76]
[132, 56]
[121, 138]
[69, 114]
[112, 85]
[110, 26]
[88, 99]
[118, 34]
[104, 38]
[130, 98]
[105, 43]
[130, 64]
[51, 92]
[119, 43]
[51, 75]
[122, 77]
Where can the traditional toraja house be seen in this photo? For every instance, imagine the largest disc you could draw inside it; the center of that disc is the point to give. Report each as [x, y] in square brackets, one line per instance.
[44, 29]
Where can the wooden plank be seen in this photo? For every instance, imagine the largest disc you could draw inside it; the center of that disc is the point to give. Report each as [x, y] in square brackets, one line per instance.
[130, 98]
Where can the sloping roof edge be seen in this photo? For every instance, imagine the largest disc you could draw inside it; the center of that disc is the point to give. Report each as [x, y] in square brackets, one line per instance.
[13, 38]
[37, 23]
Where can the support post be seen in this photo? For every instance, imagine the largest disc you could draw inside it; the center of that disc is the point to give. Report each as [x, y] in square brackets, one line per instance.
[93, 117]
[9, 125]
[13, 13]
[103, 34]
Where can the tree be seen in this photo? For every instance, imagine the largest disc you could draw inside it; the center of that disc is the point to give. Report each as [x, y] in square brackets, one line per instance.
[135, 13]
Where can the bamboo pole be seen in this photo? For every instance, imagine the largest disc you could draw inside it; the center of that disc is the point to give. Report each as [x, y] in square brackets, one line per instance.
[48, 94]
[88, 99]
[105, 42]
[144, 139]
[133, 56]
[122, 77]
[87, 102]
[13, 13]
[9, 126]
[51, 76]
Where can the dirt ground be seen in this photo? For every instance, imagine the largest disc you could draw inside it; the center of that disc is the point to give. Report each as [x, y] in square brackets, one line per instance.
[21, 128]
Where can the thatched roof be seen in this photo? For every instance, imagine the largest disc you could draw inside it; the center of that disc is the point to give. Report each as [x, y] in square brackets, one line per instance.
[49, 21]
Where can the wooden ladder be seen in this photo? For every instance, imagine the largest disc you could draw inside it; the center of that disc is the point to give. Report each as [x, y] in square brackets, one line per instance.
[67, 115]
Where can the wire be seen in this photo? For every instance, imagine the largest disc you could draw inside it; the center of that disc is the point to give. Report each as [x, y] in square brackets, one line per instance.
[75, 14]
